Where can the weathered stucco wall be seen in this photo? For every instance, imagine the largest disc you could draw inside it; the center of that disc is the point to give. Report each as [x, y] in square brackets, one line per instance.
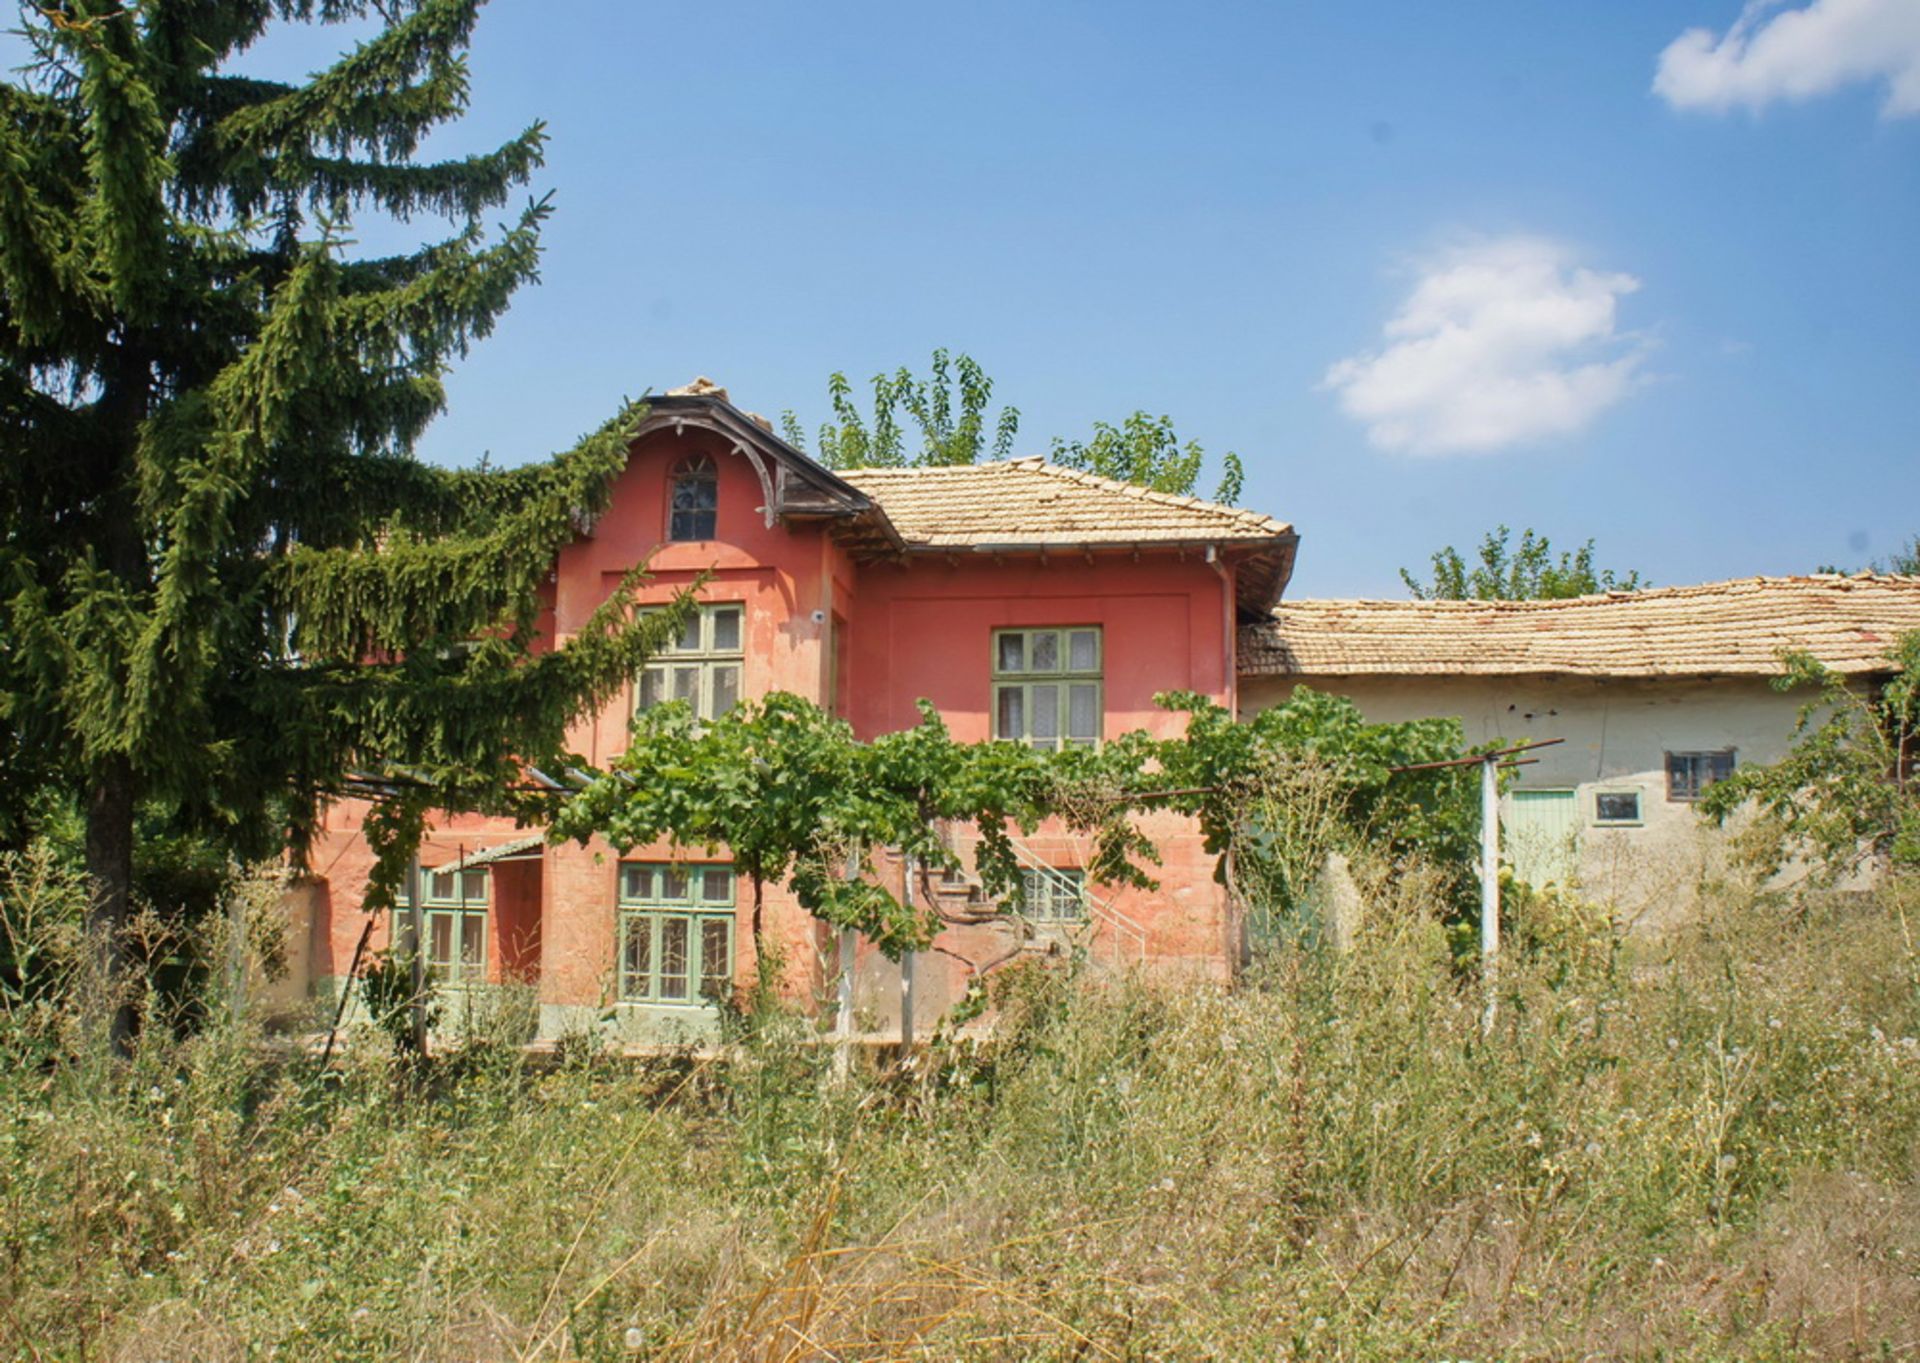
[926, 630]
[1617, 733]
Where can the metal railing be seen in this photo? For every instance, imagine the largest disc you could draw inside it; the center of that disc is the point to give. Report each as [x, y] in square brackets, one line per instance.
[1127, 934]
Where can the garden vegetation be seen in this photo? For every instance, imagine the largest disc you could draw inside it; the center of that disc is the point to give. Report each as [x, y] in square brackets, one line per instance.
[1696, 1148]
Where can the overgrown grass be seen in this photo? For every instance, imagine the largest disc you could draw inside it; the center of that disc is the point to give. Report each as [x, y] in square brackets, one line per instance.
[1697, 1148]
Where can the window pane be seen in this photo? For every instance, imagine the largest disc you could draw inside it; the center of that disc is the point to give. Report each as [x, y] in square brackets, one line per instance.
[636, 882]
[474, 887]
[653, 687]
[638, 957]
[1013, 653]
[442, 887]
[473, 946]
[673, 882]
[1043, 651]
[696, 488]
[716, 958]
[726, 630]
[1083, 711]
[1010, 719]
[726, 689]
[1615, 806]
[1046, 713]
[689, 640]
[440, 943]
[1083, 650]
[717, 885]
[686, 685]
[695, 495]
[1070, 896]
[673, 958]
[693, 525]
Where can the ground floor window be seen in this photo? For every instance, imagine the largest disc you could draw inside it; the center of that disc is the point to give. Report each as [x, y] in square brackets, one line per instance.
[453, 918]
[457, 946]
[1054, 895]
[1690, 773]
[676, 932]
[1616, 808]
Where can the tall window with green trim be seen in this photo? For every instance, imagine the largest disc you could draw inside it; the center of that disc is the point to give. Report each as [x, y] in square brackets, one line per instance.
[702, 666]
[1047, 686]
[676, 932]
[454, 919]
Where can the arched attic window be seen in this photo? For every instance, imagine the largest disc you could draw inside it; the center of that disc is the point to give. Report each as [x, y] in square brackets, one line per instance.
[693, 499]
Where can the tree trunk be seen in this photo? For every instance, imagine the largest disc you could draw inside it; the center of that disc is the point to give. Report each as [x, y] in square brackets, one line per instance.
[110, 885]
[110, 799]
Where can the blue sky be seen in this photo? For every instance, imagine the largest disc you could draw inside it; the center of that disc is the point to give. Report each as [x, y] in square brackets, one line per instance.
[1425, 267]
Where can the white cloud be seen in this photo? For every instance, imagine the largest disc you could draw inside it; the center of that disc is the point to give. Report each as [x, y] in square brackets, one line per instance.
[1501, 343]
[1770, 54]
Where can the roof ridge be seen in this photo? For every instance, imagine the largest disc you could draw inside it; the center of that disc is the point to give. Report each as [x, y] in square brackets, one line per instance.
[1185, 501]
[1719, 586]
[1238, 518]
[1734, 626]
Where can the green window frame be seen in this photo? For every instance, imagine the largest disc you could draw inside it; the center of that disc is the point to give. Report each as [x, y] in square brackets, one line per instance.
[703, 666]
[676, 932]
[453, 918]
[1054, 895]
[1049, 687]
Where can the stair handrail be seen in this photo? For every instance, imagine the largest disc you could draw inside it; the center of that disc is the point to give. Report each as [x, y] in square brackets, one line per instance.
[1099, 908]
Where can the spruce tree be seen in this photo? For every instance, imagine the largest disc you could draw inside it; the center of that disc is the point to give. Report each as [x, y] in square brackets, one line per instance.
[229, 586]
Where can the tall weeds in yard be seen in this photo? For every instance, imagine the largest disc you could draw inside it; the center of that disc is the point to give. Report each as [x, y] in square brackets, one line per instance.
[1701, 1147]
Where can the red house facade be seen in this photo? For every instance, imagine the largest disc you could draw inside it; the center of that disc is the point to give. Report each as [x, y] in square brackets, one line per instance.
[1029, 603]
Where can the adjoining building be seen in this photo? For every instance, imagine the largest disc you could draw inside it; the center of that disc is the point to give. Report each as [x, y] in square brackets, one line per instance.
[1656, 694]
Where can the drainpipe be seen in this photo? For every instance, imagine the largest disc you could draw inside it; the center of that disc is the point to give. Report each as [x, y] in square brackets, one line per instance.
[1227, 663]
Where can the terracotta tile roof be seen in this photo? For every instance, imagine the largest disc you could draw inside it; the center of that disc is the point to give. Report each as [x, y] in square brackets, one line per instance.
[1029, 503]
[1712, 629]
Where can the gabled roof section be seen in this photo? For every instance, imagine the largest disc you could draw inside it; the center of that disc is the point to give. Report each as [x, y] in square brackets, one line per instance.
[1028, 506]
[1736, 628]
[795, 486]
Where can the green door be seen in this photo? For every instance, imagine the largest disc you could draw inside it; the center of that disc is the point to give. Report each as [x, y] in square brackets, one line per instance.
[1542, 836]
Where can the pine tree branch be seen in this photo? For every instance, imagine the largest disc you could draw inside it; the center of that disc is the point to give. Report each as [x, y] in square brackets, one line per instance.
[381, 98]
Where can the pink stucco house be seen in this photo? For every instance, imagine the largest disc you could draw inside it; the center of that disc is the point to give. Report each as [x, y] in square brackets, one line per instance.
[1029, 603]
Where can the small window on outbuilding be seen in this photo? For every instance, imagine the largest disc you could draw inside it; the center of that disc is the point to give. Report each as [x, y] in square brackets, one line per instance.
[694, 499]
[1616, 808]
[1690, 773]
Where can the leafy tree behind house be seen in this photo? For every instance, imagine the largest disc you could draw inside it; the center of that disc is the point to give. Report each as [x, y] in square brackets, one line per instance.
[943, 419]
[947, 411]
[1143, 449]
[227, 582]
[1528, 571]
